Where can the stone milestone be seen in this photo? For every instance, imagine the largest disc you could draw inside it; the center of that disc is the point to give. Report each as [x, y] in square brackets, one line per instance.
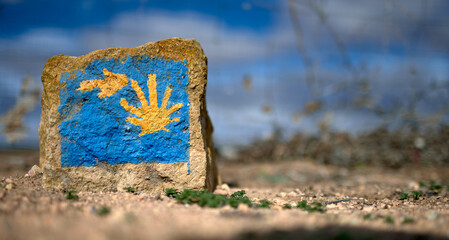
[127, 117]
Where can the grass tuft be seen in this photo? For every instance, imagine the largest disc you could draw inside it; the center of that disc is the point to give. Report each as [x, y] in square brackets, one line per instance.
[206, 199]
[416, 195]
[102, 211]
[408, 220]
[422, 184]
[71, 195]
[389, 219]
[433, 186]
[264, 203]
[287, 206]
[129, 189]
[404, 196]
[313, 207]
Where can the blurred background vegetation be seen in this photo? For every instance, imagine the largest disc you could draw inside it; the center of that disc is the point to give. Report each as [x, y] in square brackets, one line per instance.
[339, 82]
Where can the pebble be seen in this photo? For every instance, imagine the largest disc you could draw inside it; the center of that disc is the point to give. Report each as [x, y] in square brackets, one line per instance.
[292, 194]
[331, 206]
[282, 194]
[243, 207]
[299, 192]
[413, 185]
[221, 192]
[279, 208]
[368, 208]
[224, 186]
[34, 171]
[9, 186]
[278, 201]
[226, 208]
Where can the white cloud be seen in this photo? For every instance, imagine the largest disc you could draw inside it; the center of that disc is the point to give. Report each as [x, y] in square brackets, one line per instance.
[219, 42]
[41, 41]
[380, 21]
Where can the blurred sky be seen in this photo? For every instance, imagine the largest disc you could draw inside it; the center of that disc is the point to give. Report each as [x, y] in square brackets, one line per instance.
[398, 46]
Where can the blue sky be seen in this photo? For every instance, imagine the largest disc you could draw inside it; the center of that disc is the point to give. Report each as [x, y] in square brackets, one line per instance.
[398, 46]
[25, 15]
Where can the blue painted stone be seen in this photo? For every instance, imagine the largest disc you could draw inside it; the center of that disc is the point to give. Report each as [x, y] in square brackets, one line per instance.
[95, 129]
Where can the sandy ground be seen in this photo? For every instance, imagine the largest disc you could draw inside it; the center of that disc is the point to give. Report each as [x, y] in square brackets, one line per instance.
[29, 212]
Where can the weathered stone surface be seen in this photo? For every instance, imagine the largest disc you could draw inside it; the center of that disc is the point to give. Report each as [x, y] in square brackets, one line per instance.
[127, 117]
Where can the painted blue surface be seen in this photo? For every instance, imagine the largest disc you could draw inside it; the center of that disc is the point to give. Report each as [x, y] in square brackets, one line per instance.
[95, 130]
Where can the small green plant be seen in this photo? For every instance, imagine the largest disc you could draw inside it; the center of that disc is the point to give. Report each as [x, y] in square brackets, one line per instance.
[417, 194]
[404, 196]
[239, 198]
[71, 195]
[367, 216]
[3, 186]
[287, 206]
[408, 220]
[264, 203]
[129, 189]
[433, 186]
[313, 207]
[170, 192]
[389, 219]
[204, 198]
[201, 198]
[302, 204]
[422, 184]
[102, 211]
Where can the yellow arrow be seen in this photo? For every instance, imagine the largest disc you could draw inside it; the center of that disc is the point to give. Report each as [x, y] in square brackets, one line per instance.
[110, 85]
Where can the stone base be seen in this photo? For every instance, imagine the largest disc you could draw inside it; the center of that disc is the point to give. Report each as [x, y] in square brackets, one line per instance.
[154, 175]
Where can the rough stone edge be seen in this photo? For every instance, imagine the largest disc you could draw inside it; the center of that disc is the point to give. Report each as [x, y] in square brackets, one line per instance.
[202, 159]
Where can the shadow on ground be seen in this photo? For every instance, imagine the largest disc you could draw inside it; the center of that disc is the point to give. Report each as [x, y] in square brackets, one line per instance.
[334, 233]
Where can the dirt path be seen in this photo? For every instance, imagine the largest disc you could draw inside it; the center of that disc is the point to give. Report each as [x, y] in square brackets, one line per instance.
[27, 211]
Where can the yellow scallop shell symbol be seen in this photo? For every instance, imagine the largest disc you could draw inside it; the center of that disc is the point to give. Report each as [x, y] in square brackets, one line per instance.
[149, 117]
